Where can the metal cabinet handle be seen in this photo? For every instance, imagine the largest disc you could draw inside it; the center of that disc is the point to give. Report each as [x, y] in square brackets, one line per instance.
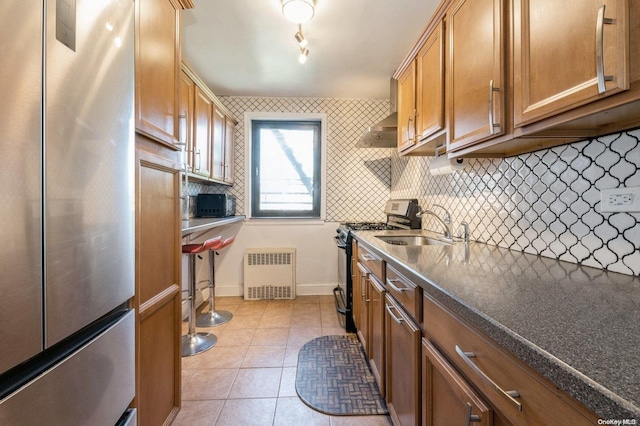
[492, 125]
[395, 318]
[600, 23]
[395, 280]
[471, 417]
[409, 137]
[367, 257]
[182, 129]
[197, 162]
[511, 395]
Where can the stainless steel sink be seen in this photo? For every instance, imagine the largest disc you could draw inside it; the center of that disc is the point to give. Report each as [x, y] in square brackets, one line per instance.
[411, 240]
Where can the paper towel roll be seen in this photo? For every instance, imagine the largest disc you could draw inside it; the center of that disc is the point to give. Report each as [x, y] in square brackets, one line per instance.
[442, 165]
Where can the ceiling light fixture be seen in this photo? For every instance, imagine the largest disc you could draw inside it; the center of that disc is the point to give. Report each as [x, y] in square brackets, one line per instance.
[304, 54]
[300, 38]
[298, 11]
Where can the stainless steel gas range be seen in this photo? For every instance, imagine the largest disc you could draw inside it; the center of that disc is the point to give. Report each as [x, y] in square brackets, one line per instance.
[401, 214]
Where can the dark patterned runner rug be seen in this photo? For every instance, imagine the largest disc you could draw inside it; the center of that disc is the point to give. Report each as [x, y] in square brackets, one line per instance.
[334, 378]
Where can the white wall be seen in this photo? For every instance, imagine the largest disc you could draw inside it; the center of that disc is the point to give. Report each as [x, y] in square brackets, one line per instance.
[316, 254]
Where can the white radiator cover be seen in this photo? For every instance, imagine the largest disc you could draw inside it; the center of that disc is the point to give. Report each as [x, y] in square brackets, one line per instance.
[269, 273]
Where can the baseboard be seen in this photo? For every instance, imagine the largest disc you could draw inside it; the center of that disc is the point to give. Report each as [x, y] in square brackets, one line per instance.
[301, 290]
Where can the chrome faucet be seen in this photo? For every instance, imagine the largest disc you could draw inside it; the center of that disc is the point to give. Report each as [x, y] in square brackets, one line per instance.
[447, 217]
[445, 226]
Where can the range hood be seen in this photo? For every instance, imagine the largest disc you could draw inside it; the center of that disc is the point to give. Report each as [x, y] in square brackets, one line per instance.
[383, 134]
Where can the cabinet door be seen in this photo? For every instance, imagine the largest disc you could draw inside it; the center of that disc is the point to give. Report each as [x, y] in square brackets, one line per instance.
[586, 39]
[376, 331]
[229, 153]
[361, 300]
[185, 114]
[447, 399]
[157, 69]
[158, 297]
[430, 85]
[402, 365]
[475, 75]
[202, 133]
[407, 108]
[217, 145]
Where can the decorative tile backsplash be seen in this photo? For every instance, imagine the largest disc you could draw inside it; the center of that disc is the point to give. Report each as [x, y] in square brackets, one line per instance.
[358, 180]
[546, 202]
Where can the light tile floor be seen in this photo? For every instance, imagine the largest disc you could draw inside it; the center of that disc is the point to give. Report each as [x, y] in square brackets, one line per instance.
[248, 378]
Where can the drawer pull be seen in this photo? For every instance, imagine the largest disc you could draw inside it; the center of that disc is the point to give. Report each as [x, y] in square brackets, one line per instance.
[395, 318]
[511, 395]
[398, 289]
[367, 257]
[472, 418]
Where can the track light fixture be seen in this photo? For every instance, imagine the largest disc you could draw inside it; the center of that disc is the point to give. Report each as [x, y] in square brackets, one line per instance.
[300, 38]
[304, 54]
[298, 11]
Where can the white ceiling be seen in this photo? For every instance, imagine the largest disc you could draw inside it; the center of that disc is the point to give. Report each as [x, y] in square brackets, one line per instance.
[247, 47]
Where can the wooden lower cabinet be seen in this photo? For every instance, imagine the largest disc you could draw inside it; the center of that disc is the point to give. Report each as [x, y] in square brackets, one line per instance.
[361, 305]
[495, 373]
[447, 399]
[158, 297]
[402, 340]
[158, 394]
[376, 331]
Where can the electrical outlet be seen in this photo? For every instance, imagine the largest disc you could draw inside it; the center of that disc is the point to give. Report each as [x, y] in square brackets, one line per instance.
[620, 199]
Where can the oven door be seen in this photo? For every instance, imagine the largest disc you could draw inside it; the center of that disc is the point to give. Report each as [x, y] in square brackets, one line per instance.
[342, 293]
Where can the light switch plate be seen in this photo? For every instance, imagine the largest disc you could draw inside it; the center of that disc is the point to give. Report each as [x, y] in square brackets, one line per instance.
[620, 199]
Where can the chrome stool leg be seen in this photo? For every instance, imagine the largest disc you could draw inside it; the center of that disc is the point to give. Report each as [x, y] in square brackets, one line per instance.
[212, 317]
[193, 342]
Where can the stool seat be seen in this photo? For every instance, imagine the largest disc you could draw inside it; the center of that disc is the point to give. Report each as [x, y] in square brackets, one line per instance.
[211, 244]
[212, 317]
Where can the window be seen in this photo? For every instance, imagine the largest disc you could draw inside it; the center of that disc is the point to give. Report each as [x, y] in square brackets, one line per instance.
[286, 168]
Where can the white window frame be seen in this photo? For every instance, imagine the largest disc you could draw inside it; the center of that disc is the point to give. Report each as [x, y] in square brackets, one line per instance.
[248, 140]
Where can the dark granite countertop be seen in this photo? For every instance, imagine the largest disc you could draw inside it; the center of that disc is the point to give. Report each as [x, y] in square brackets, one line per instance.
[198, 224]
[578, 326]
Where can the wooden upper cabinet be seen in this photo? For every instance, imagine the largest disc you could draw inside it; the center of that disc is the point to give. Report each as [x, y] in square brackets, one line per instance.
[202, 116]
[476, 83]
[185, 115]
[430, 86]
[157, 69]
[407, 108]
[217, 145]
[567, 53]
[229, 153]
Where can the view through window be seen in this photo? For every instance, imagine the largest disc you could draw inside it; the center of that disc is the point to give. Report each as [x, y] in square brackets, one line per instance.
[285, 164]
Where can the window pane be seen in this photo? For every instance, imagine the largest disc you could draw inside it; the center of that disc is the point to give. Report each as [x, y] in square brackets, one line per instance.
[286, 160]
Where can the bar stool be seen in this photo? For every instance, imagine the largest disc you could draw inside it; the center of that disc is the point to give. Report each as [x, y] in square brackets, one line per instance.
[193, 342]
[213, 317]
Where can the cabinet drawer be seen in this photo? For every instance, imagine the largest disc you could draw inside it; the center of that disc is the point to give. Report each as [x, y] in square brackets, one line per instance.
[370, 261]
[405, 292]
[496, 373]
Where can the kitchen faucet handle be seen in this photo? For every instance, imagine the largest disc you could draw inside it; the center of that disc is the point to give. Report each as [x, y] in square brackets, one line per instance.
[465, 227]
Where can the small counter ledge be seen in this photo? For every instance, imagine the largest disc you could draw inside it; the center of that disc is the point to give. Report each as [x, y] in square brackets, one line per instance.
[199, 224]
[578, 326]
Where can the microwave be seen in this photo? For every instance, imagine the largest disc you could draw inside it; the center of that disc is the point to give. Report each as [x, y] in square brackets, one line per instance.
[215, 205]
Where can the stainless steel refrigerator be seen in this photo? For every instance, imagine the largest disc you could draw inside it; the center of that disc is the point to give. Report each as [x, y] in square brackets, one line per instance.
[66, 212]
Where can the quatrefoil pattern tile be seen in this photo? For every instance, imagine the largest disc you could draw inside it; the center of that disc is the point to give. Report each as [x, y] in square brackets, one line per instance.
[358, 180]
[546, 202]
